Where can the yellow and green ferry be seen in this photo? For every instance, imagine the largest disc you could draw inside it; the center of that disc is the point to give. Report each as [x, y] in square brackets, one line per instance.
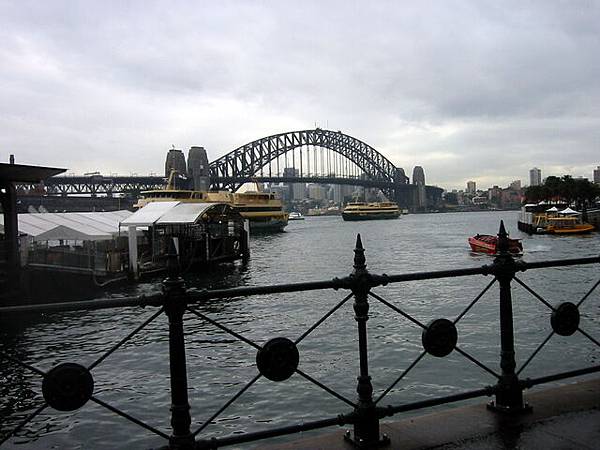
[263, 210]
[370, 211]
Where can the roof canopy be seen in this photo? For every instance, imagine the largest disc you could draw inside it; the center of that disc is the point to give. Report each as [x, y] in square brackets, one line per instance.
[26, 174]
[149, 214]
[186, 213]
[172, 213]
[90, 226]
[553, 209]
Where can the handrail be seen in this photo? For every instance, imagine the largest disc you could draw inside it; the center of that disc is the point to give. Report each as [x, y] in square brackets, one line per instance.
[277, 359]
[202, 295]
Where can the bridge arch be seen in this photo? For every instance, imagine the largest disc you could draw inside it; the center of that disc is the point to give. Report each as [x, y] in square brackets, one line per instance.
[247, 160]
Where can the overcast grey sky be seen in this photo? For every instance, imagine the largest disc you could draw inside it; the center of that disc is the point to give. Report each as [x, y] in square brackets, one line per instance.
[470, 90]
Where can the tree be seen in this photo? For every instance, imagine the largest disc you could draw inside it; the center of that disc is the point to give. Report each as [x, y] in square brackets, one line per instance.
[535, 194]
[585, 193]
[553, 185]
[565, 189]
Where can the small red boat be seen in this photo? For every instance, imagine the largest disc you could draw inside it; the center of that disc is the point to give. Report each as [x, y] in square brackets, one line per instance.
[486, 243]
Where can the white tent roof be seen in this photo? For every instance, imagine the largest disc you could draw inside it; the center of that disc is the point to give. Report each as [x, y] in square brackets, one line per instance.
[62, 232]
[184, 213]
[569, 211]
[149, 214]
[553, 209]
[168, 213]
[88, 226]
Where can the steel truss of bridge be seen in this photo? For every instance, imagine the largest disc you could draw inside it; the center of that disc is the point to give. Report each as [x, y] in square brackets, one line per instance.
[97, 185]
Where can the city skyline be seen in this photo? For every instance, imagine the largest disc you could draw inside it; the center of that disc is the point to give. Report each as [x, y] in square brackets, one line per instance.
[594, 177]
[472, 90]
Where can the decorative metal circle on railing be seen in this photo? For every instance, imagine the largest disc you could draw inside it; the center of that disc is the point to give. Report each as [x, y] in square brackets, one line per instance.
[278, 359]
[440, 337]
[565, 319]
[67, 387]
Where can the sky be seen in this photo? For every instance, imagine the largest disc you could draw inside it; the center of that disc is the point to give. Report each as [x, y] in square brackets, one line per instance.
[469, 90]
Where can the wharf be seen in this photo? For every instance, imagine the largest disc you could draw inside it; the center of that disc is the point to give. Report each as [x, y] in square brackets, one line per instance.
[565, 417]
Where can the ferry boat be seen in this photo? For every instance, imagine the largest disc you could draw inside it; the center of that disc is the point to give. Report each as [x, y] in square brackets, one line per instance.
[485, 243]
[542, 219]
[263, 210]
[566, 225]
[370, 211]
[172, 193]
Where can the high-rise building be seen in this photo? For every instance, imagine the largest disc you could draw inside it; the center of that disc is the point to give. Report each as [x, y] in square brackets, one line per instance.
[341, 192]
[471, 187]
[494, 194]
[336, 193]
[297, 190]
[535, 177]
[515, 185]
[597, 175]
[317, 192]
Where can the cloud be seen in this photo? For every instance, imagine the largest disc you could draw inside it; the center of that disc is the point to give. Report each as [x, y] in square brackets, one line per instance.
[465, 89]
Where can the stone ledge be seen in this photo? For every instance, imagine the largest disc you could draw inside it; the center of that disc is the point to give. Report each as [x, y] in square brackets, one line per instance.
[571, 408]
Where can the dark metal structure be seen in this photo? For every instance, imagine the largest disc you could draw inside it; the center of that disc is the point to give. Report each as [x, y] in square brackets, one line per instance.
[69, 385]
[96, 185]
[10, 174]
[247, 160]
[318, 156]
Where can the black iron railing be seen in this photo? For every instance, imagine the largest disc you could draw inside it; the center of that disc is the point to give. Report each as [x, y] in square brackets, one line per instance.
[69, 386]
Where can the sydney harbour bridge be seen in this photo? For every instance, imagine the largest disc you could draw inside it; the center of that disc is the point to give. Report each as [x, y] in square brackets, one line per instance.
[307, 156]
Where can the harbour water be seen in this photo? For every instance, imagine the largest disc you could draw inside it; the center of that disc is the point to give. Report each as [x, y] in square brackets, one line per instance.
[135, 378]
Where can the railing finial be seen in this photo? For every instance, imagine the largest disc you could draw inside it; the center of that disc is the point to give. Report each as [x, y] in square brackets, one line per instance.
[502, 239]
[360, 262]
[502, 231]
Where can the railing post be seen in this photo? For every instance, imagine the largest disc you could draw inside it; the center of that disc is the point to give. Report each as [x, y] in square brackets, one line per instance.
[366, 425]
[509, 395]
[175, 304]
